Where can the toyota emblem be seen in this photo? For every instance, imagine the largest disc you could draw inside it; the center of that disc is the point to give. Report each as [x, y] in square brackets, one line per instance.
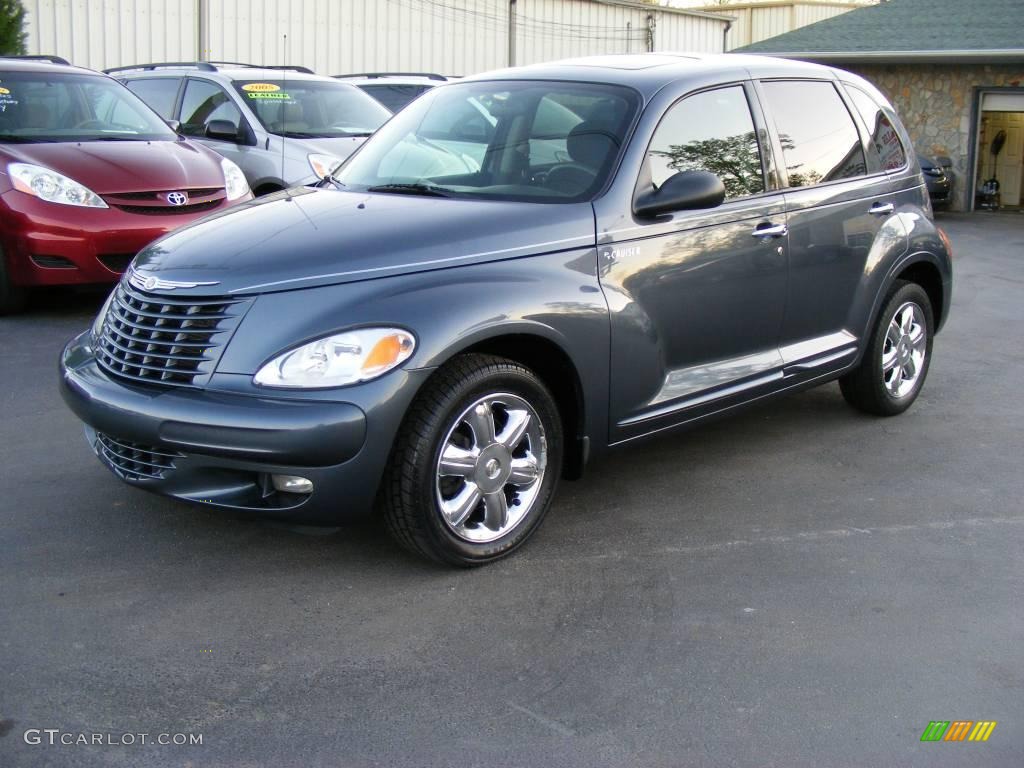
[177, 198]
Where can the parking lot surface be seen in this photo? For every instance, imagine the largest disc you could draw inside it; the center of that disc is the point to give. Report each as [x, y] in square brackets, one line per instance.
[800, 585]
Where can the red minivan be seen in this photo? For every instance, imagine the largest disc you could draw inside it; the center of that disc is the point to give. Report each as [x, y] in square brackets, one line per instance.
[89, 175]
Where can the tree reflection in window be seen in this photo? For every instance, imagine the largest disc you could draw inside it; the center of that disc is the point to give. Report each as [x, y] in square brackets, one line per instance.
[710, 131]
[736, 160]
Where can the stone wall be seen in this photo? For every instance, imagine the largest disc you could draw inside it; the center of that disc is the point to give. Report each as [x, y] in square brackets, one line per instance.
[934, 102]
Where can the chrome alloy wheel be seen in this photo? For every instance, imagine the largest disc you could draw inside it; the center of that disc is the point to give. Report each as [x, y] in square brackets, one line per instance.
[904, 350]
[491, 467]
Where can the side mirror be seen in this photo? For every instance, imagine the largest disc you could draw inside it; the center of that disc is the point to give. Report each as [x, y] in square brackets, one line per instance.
[174, 125]
[682, 191]
[222, 129]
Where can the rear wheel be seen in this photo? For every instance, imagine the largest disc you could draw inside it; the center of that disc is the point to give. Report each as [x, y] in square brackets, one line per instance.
[12, 297]
[475, 464]
[895, 364]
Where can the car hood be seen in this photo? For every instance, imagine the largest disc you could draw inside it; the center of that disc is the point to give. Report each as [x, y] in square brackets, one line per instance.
[108, 167]
[307, 237]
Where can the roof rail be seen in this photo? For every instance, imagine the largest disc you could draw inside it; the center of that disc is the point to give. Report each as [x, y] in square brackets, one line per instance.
[38, 57]
[428, 75]
[205, 66]
[208, 66]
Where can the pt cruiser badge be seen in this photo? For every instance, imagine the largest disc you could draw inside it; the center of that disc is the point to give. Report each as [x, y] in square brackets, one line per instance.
[518, 273]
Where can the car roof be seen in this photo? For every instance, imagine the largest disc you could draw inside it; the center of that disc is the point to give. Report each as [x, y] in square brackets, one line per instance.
[226, 71]
[649, 72]
[393, 78]
[41, 65]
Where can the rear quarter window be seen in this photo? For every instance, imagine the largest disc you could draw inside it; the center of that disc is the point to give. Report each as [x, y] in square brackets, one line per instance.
[159, 93]
[820, 141]
[885, 140]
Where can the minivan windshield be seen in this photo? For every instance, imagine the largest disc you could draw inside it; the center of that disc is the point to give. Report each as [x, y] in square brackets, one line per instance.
[528, 141]
[312, 109]
[49, 107]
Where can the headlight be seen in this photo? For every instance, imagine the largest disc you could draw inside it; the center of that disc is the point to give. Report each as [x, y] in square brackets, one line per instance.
[235, 184]
[97, 324]
[324, 165]
[334, 361]
[51, 186]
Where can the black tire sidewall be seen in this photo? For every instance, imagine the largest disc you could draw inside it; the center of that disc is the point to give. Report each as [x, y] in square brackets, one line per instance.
[514, 380]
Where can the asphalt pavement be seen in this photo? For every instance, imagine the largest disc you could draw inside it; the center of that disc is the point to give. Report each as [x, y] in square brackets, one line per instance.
[800, 585]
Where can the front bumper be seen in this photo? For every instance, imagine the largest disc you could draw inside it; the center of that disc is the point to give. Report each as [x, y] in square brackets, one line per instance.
[80, 245]
[221, 448]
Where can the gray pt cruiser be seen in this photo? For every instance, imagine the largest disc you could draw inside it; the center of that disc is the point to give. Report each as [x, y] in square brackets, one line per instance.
[520, 272]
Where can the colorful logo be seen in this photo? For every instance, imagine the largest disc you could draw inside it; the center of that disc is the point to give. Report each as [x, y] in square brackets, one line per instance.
[958, 730]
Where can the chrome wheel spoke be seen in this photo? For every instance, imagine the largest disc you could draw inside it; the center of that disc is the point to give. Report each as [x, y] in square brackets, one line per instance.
[906, 318]
[910, 369]
[895, 380]
[918, 338]
[461, 506]
[481, 421]
[524, 471]
[515, 429]
[457, 462]
[496, 510]
[889, 360]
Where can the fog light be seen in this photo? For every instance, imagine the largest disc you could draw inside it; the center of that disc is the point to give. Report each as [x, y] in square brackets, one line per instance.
[292, 484]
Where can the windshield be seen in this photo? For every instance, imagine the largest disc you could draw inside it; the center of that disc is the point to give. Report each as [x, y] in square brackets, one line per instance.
[40, 107]
[536, 141]
[309, 109]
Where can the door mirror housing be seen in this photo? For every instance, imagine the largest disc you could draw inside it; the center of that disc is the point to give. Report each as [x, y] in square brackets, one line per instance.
[174, 125]
[682, 191]
[222, 129]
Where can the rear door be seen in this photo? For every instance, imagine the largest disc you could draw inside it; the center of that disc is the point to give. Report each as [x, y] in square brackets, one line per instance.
[835, 207]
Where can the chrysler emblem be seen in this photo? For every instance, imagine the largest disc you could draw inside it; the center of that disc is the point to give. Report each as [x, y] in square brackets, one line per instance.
[177, 198]
[152, 282]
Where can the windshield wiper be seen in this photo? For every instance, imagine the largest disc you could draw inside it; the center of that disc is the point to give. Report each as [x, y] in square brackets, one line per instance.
[428, 190]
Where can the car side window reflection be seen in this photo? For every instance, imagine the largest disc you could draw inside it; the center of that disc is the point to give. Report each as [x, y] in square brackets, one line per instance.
[884, 139]
[204, 102]
[820, 141]
[710, 131]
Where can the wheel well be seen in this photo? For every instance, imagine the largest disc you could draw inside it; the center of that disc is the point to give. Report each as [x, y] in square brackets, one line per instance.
[556, 370]
[927, 276]
[266, 189]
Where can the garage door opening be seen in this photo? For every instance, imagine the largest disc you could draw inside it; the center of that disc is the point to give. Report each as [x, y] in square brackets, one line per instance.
[999, 142]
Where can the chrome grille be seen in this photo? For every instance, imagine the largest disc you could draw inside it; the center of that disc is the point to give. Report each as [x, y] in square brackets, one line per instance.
[134, 461]
[159, 340]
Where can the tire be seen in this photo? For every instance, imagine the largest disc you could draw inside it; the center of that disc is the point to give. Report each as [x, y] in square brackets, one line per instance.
[895, 365]
[498, 430]
[12, 297]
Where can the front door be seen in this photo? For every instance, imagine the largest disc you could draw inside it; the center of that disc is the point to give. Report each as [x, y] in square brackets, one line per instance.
[697, 297]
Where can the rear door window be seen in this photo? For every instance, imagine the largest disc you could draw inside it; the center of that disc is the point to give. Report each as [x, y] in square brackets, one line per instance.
[888, 152]
[393, 96]
[820, 141]
[203, 102]
[159, 93]
[710, 131]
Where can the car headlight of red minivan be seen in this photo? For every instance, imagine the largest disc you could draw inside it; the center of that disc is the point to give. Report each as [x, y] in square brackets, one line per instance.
[53, 187]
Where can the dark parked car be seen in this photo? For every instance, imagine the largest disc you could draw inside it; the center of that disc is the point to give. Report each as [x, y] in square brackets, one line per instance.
[936, 176]
[89, 175]
[394, 90]
[520, 272]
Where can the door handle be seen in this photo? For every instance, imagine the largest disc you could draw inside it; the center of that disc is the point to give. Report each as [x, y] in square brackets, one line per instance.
[770, 230]
[882, 209]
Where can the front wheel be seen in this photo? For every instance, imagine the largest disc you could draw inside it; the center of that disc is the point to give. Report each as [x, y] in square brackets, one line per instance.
[475, 464]
[899, 351]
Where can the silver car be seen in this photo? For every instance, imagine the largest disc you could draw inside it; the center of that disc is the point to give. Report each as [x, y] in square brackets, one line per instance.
[283, 126]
